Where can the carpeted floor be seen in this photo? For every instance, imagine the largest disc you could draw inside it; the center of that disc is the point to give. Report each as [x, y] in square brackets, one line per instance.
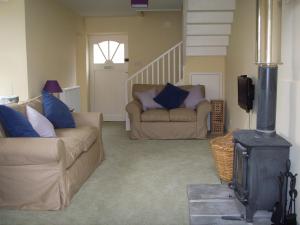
[139, 183]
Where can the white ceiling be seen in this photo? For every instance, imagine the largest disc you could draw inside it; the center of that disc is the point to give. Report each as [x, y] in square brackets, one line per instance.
[117, 7]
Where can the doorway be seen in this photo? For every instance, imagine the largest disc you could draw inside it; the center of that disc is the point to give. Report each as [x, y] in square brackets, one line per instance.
[108, 73]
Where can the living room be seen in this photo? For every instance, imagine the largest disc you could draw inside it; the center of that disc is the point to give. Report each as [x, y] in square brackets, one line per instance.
[51, 40]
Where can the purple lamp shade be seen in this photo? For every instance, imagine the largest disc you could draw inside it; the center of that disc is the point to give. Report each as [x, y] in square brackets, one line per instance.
[52, 86]
[139, 3]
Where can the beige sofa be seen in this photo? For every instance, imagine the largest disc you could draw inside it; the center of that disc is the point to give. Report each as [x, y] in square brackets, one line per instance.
[180, 123]
[45, 173]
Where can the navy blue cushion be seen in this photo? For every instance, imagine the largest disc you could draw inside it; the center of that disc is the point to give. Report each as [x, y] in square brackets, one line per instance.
[171, 96]
[15, 124]
[57, 112]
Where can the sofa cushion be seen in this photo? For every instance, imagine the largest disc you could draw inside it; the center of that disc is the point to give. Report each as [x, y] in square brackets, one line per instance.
[15, 124]
[86, 134]
[155, 115]
[194, 98]
[182, 115]
[171, 96]
[145, 87]
[18, 107]
[159, 87]
[40, 123]
[37, 104]
[77, 140]
[146, 98]
[57, 112]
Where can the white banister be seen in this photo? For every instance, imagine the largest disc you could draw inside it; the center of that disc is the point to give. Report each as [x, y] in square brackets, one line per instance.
[163, 72]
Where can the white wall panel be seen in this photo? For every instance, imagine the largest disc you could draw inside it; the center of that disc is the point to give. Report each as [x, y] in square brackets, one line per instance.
[71, 97]
[207, 40]
[211, 5]
[209, 17]
[208, 29]
[201, 51]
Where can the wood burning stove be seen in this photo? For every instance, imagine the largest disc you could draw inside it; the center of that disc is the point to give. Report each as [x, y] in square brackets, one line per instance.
[260, 155]
[258, 162]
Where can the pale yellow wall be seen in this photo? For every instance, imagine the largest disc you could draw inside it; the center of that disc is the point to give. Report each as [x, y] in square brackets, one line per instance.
[203, 64]
[148, 35]
[51, 31]
[13, 65]
[240, 60]
[82, 67]
[288, 95]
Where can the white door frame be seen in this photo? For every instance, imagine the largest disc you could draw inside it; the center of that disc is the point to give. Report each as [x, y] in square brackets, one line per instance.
[91, 82]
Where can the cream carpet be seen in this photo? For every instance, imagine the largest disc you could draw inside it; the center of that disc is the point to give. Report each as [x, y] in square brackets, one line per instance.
[139, 183]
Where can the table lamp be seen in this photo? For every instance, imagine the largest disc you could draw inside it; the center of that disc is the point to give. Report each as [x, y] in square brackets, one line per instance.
[52, 86]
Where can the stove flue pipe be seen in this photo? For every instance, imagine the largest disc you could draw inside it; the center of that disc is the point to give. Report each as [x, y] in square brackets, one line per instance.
[268, 57]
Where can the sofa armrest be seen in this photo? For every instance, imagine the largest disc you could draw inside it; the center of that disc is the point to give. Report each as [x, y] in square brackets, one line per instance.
[31, 151]
[134, 109]
[94, 119]
[203, 109]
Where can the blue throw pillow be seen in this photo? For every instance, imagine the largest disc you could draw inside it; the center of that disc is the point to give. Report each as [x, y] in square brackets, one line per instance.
[171, 96]
[57, 112]
[15, 124]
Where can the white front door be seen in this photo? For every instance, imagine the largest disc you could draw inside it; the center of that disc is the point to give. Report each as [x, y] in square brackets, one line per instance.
[108, 73]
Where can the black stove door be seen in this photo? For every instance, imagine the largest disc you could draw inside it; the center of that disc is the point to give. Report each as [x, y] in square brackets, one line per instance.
[240, 172]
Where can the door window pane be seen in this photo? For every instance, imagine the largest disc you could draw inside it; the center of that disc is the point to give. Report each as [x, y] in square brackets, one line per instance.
[98, 56]
[109, 51]
[104, 48]
[113, 46]
[119, 55]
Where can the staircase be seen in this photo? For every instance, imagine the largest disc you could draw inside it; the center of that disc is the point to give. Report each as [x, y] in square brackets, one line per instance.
[207, 26]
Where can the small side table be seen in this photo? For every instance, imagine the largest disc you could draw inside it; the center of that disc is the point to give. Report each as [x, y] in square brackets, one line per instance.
[217, 117]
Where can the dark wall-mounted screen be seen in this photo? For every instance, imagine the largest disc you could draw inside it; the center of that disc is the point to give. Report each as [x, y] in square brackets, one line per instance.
[245, 92]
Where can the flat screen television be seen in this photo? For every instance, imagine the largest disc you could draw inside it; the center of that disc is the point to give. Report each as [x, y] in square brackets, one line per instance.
[245, 93]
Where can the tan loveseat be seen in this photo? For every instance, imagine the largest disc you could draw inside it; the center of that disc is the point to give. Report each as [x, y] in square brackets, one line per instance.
[180, 123]
[45, 173]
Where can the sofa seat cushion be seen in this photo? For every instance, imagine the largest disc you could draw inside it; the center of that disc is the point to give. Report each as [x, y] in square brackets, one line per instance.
[182, 115]
[87, 135]
[155, 115]
[77, 140]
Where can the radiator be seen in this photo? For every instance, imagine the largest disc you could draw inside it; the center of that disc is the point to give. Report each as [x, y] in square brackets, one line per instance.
[71, 97]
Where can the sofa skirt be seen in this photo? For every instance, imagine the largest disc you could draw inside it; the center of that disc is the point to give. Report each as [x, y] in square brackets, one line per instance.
[47, 186]
[168, 130]
[80, 171]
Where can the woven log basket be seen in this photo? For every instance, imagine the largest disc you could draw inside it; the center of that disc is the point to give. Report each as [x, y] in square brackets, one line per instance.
[222, 149]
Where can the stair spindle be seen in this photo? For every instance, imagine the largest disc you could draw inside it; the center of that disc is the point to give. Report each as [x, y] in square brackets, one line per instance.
[174, 66]
[169, 68]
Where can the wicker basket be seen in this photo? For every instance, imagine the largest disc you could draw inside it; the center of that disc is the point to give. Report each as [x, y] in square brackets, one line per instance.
[217, 117]
[222, 148]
